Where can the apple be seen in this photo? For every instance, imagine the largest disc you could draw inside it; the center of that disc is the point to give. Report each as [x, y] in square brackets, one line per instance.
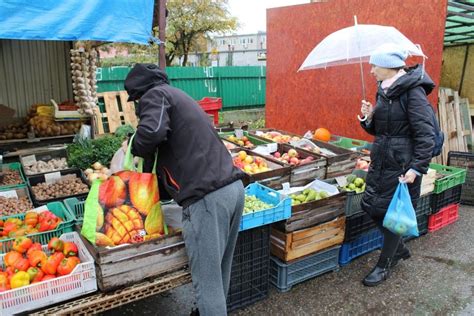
[294, 161]
[292, 153]
[242, 155]
[277, 154]
[249, 159]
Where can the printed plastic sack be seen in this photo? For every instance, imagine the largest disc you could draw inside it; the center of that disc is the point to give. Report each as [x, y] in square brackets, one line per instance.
[125, 208]
[400, 218]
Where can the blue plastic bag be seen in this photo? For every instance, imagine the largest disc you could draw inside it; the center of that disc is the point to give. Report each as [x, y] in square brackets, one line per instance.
[400, 218]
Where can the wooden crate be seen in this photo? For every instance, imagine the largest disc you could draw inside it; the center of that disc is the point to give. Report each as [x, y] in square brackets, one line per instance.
[126, 265]
[342, 163]
[294, 245]
[274, 178]
[300, 175]
[118, 111]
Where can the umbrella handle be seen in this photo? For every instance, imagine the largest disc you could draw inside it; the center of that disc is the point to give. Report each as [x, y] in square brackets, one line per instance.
[362, 119]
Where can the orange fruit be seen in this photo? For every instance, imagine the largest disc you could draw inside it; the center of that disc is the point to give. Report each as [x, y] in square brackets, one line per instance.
[322, 134]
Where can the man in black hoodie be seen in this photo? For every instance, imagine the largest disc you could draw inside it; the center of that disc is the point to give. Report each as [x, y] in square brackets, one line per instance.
[197, 171]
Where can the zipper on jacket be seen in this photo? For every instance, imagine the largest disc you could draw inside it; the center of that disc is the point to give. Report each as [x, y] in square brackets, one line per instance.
[385, 147]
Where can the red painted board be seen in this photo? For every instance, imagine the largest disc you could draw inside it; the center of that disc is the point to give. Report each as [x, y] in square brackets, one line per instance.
[300, 101]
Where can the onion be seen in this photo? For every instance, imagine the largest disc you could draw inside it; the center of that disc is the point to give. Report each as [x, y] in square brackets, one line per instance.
[97, 165]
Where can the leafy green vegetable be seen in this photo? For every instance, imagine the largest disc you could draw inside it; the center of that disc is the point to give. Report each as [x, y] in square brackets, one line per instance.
[123, 131]
[83, 153]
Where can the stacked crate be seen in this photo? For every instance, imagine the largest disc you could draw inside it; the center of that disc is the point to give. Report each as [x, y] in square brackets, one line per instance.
[307, 244]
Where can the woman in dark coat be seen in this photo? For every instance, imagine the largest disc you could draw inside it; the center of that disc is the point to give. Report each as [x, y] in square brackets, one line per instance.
[402, 150]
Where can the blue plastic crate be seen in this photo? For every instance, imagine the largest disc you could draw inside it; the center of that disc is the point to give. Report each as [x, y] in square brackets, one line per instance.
[364, 244]
[281, 209]
[284, 275]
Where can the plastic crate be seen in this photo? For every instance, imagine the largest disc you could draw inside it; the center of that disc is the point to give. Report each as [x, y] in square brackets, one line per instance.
[20, 192]
[43, 156]
[34, 180]
[249, 278]
[211, 106]
[281, 209]
[464, 160]
[364, 244]
[358, 224]
[452, 176]
[66, 226]
[445, 198]
[353, 203]
[447, 215]
[75, 206]
[348, 143]
[82, 280]
[13, 166]
[284, 275]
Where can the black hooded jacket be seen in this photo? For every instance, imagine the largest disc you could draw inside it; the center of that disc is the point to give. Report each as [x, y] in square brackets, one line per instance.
[192, 160]
[404, 139]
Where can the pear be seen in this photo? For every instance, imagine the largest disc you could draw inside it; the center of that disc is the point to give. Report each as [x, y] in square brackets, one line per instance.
[301, 197]
[311, 196]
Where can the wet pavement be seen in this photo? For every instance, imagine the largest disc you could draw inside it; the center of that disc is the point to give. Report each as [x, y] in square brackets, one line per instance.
[438, 279]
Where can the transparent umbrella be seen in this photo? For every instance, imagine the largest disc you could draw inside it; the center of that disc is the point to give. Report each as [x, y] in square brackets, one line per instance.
[355, 44]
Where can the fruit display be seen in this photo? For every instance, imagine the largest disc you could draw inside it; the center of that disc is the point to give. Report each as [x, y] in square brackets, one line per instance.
[32, 223]
[13, 205]
[10, 177]
[307, 195]
[41, 166]
[292, 157]
[250, 164]
[66, 186]
[322, 134]
[354, 184]
[97, 171]
[242, 141]
[84, 82]
[128, 209]
[254, 204]
[29, 262]
[228, 145]
[278, 137]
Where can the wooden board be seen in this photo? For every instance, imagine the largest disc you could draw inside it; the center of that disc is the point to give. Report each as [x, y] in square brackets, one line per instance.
[115, 115]
[467, 122]
[294, 245]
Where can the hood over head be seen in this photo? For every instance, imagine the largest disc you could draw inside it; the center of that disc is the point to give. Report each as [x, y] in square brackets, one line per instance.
[411, 79]
[142, 78]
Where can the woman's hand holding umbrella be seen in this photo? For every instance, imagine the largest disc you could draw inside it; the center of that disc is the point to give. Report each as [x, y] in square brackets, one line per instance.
[367, 110]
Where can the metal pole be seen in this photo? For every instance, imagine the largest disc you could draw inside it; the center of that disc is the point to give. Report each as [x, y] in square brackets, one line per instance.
[360, 63]
[162, 33]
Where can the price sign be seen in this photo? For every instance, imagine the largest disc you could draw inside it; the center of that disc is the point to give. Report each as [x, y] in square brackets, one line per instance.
[341, 181]
[239, 133]
[272, 147]
[9, 194]
[52, 177]
[29, 160]
[40, 209]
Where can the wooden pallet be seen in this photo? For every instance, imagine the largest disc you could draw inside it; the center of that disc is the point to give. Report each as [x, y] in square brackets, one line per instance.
[101, 302]
[297, 244]
[118, 111]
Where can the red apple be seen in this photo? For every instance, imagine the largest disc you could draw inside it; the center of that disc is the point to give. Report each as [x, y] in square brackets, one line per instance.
[277, 154]
[294, 161]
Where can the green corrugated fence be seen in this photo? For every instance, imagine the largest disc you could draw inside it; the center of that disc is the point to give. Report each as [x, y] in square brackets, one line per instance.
[239, 87]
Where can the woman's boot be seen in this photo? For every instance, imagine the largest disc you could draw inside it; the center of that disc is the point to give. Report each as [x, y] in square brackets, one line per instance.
[402, 253]
[379, 273]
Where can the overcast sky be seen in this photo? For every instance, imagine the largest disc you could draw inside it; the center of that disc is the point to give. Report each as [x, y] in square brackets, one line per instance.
[251, 14]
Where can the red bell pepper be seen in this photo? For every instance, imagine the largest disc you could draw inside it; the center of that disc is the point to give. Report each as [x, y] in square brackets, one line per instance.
[67, 265]
[50, 265]
[48, 277]
[36, 257]
[11, 258]
[56, 244]
[9, 227]
[34, 246]
[22, 244]
[31, 219]
[4, 282]
[22, 265]
[70, 249]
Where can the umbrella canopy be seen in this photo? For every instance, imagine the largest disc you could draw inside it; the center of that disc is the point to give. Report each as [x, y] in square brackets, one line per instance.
[355, 44]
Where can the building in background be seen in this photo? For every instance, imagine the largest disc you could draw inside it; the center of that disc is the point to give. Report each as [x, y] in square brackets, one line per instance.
[233, 50]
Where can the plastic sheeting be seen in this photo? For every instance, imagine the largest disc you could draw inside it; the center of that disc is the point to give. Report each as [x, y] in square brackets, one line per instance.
[70, 20]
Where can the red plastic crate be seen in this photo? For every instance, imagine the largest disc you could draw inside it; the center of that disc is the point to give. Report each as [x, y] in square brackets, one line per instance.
[211, 106]
[447, 215]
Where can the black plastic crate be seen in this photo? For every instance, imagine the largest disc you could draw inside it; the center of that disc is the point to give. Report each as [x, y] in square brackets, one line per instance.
[464, 160]
[445, 198]
[34, 180]
[249, 280]
[422, 221]
[423, 207]
[358, 224]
